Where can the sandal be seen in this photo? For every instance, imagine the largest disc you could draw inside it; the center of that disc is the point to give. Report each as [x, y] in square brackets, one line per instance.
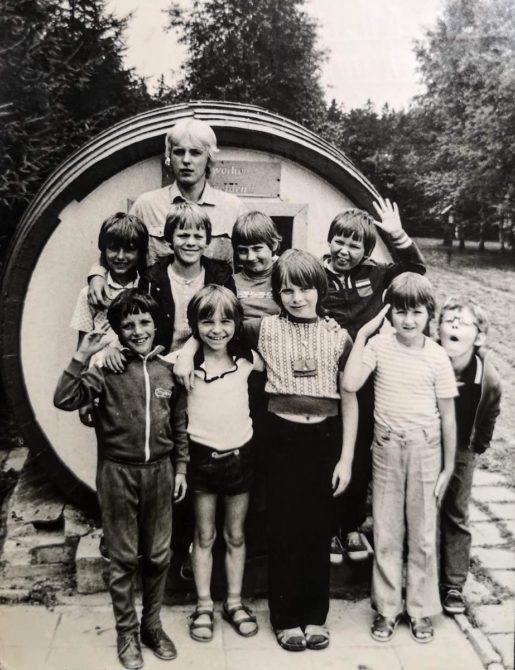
[421, 629]
[383, 628]
[231, 615]
[195, 625]
[291, 639]
[317, 637]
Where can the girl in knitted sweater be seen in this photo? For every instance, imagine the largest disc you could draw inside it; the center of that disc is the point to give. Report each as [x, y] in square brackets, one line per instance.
[312, 425]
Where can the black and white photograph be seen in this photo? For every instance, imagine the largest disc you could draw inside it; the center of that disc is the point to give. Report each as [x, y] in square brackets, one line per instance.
[257, 376]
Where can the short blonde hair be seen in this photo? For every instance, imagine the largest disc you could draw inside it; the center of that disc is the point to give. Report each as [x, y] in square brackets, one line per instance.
[199, 132]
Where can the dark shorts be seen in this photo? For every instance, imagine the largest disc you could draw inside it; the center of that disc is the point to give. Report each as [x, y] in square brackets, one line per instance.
[223, 473]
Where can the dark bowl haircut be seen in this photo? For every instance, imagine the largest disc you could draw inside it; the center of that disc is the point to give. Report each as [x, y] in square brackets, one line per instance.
[358, 225]
[124, 230]
[302, 269]
[186, 216]
[208, 300]
[255, 228]
[410, 290]
[131, 301]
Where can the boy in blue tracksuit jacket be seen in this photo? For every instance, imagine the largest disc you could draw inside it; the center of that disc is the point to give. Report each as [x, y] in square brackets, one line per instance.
[140, 422]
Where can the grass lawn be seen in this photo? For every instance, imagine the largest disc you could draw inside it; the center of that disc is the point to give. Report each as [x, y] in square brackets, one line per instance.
[488, 277]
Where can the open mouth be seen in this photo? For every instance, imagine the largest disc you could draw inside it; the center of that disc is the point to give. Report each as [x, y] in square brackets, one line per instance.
[453, 338]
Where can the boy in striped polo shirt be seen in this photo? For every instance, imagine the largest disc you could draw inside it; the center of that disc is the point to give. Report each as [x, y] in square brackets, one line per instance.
[415, 425]
[355, 295]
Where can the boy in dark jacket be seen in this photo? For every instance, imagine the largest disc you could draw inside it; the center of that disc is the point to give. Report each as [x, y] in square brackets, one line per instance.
[140, 422]
[463, 328]
[173, 280]
[355, 296]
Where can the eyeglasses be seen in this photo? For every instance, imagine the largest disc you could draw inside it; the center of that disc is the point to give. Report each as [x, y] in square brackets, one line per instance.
[460, 319]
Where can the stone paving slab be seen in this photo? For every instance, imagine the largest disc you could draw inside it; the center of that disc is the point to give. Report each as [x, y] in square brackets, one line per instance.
[495, 559]
[503, 511]
[476, 514]
[505, 578]
[82, 637]
[485, 533]
[476, 592]
[503, 643]
[496, 618]
[494, 494]
[487, 478]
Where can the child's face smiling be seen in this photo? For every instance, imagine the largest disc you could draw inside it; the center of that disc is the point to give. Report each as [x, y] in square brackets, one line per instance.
[121, 260]
[459, 333]
[216, 331]
[137, 332]
[255, 258]
[188, 245]
[410, 324]
[346, 252]
[299, 302]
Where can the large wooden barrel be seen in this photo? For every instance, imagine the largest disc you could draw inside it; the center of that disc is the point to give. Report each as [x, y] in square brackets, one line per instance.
[273, 164]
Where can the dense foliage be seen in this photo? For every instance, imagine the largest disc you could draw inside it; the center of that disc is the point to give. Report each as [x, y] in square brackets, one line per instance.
[261, 52]
[62, 81]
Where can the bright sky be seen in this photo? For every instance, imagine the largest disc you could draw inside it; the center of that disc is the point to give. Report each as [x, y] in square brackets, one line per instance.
[370, 44]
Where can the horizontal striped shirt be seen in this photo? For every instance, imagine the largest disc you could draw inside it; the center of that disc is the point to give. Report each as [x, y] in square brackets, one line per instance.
[408, 381]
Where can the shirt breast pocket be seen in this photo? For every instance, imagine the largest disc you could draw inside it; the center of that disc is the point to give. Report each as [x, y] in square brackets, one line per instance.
[364, 288]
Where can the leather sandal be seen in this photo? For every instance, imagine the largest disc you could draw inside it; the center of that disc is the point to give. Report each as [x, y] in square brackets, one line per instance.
[231, 615]
[195, 625]
[291, 639]
[317, 637]
[421, 629]
[384, 627]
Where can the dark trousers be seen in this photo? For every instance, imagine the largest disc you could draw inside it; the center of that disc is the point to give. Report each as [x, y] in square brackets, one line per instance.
[350, 509]
[301, 459]
[137, 518]
[455, 535]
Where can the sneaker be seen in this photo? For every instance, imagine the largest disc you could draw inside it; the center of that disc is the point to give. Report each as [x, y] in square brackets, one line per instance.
[157, 640]
[453, 602]
[357, 547]
[336, 551]
[129, 651]
[187, 566]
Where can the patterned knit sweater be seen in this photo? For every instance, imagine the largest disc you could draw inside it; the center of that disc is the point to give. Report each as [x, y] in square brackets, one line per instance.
[303, 359]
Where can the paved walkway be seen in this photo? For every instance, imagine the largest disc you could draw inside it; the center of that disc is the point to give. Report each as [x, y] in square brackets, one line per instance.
[79, 635]
[490, 588]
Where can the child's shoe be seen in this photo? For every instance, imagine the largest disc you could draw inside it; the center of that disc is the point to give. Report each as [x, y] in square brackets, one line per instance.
[129, 651]
[317, 637]
[357, 547]
[421, 629]
[241, 618]
[453, 602]
[383, 628]
[291, 639]
[336, 551]
[201, 631]
[157, 640]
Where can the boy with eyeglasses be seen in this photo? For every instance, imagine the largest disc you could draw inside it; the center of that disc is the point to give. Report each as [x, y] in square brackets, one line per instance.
[462, 329]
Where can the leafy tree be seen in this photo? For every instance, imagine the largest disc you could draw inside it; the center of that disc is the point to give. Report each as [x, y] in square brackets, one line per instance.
[62, 81]
[467, 63]
[261, 52]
